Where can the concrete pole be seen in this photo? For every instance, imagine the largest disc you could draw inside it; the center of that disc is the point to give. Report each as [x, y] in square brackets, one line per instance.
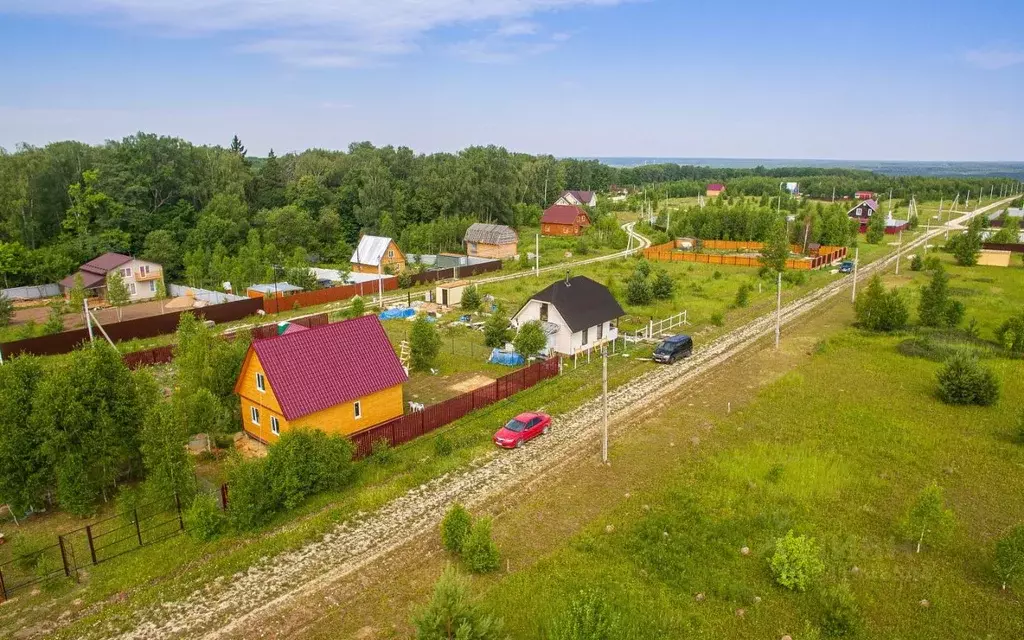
[778, 313]
[899, 251]
[380, 287]
[856, 262]
[536, 255]
[604, 389]
[88, 321]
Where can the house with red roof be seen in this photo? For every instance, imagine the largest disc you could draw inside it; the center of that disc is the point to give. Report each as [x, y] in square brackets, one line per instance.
[340, 378]
[140, 276]
[564, 220]
[578, 198]
[715, 190]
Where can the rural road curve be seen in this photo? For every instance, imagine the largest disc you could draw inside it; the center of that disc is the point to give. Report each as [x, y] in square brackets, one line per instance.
[236, 606]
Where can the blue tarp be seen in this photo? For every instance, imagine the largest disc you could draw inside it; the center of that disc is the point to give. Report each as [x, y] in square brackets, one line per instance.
[397, 314]
[504, 357]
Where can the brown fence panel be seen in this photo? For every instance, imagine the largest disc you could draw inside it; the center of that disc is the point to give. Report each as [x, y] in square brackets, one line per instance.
[324, 296]
[1002, 246]
[149, 357]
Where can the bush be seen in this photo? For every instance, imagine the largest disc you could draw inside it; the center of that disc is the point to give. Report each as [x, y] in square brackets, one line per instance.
[841, 617]
[405, 280]
[6, 311]
[304, 462]
[581, 247]
[963, 381]
[936, 308]
[381, 452]
[881, 310]
[876, 229]
[1009, 561]
[796, 561]
[1010, 334]
[664, 286]
[443, 446]
[531, 339]
[496, 331]
[587, 617]
[478, 550]
[643, 268]
[916, 262]
[452, 614]
[795, 278]
[928, 517]
[470, 299]
[357, 308]
[1020, 427]
[717, 319]
[204, 520]
[743, 295]
[455, 528]
[251, 504]
[638, 289]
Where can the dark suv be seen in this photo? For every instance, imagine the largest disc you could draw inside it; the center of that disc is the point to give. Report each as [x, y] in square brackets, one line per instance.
[674, 348]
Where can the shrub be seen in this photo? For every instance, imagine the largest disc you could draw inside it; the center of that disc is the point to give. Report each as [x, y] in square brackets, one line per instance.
[478, 550]
[6, 311]
[451, 613]
[717, 319]
[455, 528]
[1020, 426]
[916, 262]
[1009, 561]
[204, 520]
[743, 295]
[443, 446]
[841, 616]
[252, 504]
[424, 343]
[796, 561]
[304, 462]
[381, 452]
[664, 286]
[881, 310]
[1010, 334]
[470, 299]
[357, 308]
[588, 617]
[531, 339]
[405, 280]
[795, 278]
[643, 268]
[936, 308]
[963, 381]
[581, 247]
[876, 229]
[55, 319]
[638, 289]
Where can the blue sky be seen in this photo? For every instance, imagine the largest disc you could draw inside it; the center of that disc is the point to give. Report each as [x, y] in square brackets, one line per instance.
[895, 80]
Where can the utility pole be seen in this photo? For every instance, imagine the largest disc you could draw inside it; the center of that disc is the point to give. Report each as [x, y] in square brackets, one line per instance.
[604, 389]
[856, 262]
[380, 285]
[899, 251]
[536, 255]
[967, 204]
[778, 313]
[88, 321]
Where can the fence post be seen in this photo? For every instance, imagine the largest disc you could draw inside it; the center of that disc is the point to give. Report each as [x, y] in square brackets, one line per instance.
[92, 547]
[63, 556]
[3, 589]
[177, 504]
[138, 532]
[224, 496]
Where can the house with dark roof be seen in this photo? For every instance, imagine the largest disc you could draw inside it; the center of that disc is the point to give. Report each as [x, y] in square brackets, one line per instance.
[578, 198]
[577, 314]
[140, 276]
[340, 378]
[491, 241]
[864, 210]
[715, 190]
[563, 220]
[377, 254]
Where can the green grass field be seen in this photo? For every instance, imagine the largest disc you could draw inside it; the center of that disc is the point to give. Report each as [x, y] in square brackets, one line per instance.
[836, 449]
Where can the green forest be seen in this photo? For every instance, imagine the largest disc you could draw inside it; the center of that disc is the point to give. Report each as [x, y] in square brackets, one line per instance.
[211, 214]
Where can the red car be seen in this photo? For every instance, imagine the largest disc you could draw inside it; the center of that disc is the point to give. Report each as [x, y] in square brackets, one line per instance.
[523, 427]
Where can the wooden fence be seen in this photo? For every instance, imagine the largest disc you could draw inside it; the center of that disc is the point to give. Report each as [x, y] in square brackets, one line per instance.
[347, 291]
[413, 425]
[148, 327]
[667, 253]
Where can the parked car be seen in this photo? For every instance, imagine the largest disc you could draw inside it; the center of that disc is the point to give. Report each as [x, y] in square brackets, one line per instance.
[674, 348]
[846, 266]
[525, 426]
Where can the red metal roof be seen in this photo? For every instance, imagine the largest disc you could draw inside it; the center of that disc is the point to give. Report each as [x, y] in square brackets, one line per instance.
[562, 214]
[105, 262]
[716, 187]
[316, 369]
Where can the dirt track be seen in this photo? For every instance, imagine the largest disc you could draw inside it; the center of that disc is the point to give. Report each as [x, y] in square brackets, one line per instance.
[236, 606]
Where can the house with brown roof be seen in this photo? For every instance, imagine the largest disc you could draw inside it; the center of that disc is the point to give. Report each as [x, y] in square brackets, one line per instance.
[715, 190]
[340, 378]
[491, 241]
[578, 198]
[140, 276]
[564, 220]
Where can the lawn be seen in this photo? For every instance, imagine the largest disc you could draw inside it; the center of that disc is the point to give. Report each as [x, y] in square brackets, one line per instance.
[554, 250]
[835, 449]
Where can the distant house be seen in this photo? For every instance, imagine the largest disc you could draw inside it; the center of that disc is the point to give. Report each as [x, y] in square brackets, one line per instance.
[376, 253]
[578, 198]
[272, 290]
[340, 378]
[577, 314]
[491, 241]
[140, 276]
[563, 220]
[715, 190]
[793, 188]
[864, 195]
[864, 210]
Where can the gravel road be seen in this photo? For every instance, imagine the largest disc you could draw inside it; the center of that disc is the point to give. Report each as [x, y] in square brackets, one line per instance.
[236, 606]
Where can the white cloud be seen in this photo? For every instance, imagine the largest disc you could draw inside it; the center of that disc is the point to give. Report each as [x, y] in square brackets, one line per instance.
[340, 32]
[994, 58]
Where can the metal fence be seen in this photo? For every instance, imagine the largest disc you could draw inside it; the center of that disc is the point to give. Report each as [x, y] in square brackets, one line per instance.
[213, 297]
[31, 293]
[98, 542]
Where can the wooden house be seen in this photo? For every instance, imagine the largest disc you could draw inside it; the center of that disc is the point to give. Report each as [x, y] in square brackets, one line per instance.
[491, 241]
[715, 190]
[578, 198]
[339, 378]
[564, 220]
[864, 210]
[376, 254]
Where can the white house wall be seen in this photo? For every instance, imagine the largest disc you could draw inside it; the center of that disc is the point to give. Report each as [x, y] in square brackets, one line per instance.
[145, 289]
[565, 341]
